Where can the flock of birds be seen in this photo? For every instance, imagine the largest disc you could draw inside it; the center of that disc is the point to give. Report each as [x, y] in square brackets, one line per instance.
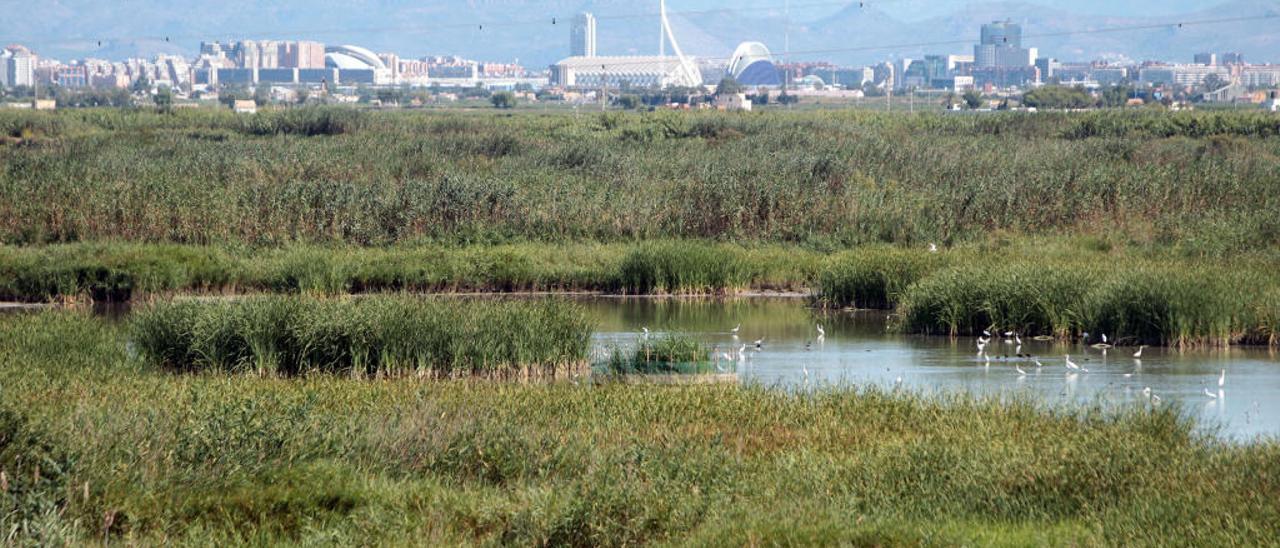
[740, 355]
[1073, 369]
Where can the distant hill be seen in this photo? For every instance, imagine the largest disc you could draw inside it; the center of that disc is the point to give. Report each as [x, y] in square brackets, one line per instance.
[523, 29]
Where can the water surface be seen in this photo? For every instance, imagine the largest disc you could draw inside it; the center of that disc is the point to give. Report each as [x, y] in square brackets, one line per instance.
[858, 349]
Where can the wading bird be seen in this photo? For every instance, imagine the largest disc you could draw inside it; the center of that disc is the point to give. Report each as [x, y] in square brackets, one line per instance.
[1138, 354]
[821, 332]
[933, 248]
[1072, 365]
[646, 332]
[735, 331]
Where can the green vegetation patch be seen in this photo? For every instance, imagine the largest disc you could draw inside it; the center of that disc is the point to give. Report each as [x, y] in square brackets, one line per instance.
[249, 460]
[373, 336]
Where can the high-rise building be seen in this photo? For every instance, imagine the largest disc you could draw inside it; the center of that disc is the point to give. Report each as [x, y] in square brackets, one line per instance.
[582, 36]
[1001, 46]
[1231, 58]
[1207, 59]
[17, 67]
[303, 55]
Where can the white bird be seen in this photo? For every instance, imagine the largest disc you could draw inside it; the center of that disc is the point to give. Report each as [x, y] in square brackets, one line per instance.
[1037, 360]
[898, 380]
[1222, 379]
[1146, 392]
[646, 332]
[742, 352]
[821, 332]
[933, 248]
[759, 342]
[727, 357]
[1072, 365]
[735, 330]
[1138, 354]
[1210, 394]
[1008, 333]
[987, 333]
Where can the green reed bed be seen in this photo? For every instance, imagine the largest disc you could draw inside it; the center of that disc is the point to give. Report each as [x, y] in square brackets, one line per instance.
[660, 354]
[127, 452]
[1133, 302]
[373, 336]
[874, 277]
[123, 271]
[1207, 182]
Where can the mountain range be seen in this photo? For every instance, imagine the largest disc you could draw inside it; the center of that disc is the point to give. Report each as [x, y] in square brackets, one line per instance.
[535, 32]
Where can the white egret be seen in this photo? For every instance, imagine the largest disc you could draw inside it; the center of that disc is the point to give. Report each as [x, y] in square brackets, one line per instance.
[1138, 354]
[933, 248]
[1222, 379]
[821, 332]
[734, 331]
[987, 333]
[646, 332]
[1072, 365]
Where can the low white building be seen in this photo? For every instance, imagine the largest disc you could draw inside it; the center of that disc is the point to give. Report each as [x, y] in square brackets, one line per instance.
[636, 71]
[733, 102]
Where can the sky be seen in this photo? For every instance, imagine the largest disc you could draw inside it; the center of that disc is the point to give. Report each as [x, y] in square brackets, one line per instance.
[111, 29]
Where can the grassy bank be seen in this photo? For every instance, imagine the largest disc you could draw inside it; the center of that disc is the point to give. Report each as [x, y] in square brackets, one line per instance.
[127, 452]
[121, 271]
[1204, 181]
[374, 336]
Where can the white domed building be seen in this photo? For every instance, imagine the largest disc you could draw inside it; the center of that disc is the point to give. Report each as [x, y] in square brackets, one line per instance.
[752, 65]
[357, 65]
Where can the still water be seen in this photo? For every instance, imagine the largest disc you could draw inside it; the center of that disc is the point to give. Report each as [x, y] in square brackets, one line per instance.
[859, 350]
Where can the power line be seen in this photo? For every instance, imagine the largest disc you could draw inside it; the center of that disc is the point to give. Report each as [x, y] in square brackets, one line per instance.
[478, 26]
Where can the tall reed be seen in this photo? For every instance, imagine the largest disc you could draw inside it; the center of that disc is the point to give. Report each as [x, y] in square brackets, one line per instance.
[381, 335]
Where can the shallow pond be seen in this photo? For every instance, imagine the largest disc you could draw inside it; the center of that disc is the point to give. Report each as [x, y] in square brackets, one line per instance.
[858, 349]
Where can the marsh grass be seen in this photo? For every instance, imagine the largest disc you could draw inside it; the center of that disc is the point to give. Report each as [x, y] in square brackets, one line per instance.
[366, 337]
[667, 353]
[121, 272]
[248, 460]
[1202, 181]
[1133, 301]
